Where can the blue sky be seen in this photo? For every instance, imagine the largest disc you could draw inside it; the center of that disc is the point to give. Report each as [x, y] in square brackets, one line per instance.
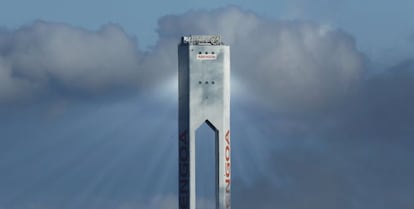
[372, 22]
[321, 105]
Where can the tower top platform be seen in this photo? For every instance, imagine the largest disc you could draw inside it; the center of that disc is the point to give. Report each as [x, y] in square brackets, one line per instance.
[205, 40]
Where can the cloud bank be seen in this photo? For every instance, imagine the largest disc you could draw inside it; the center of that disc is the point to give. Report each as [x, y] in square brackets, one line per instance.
[287, 64]
[44, 58]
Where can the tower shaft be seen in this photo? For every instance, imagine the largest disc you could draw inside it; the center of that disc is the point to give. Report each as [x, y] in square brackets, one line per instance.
[204, 97]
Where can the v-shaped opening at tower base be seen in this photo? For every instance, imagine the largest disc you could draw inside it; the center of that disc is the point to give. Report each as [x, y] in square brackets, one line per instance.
[206, 179]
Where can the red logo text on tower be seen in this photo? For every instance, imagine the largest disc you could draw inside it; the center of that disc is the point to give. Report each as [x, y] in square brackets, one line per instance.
[227, 167]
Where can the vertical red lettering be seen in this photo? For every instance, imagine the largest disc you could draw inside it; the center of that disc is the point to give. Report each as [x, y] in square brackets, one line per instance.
[227, 167]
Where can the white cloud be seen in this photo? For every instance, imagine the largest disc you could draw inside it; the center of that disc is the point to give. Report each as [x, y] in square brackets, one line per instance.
[289, 65]
[39, 57]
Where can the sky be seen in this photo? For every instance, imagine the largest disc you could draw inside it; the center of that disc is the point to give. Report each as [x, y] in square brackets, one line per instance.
[321, 107]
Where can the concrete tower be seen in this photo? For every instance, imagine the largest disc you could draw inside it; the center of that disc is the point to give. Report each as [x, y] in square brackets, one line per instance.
[204, 97]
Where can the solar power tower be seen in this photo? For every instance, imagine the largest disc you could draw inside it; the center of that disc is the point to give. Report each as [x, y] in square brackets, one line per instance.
[204, 97]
